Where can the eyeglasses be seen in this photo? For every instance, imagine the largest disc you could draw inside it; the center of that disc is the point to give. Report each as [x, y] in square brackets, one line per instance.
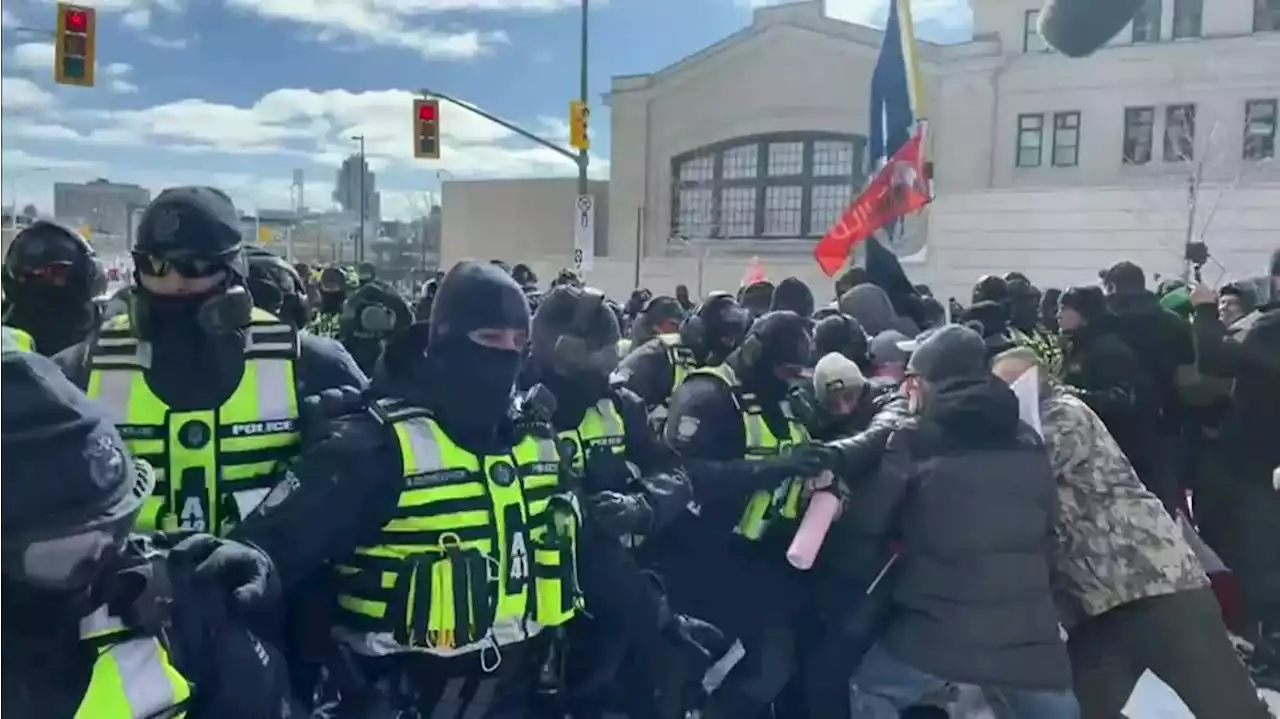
[189, 267]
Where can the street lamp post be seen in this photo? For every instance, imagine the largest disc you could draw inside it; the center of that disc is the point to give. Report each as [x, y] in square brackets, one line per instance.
[582, 94]
[363, 200]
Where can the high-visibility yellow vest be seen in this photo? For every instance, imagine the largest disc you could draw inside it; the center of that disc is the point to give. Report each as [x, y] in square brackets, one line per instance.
[325, 324]
[784, 501]
[601, 431]
[682, 362]
[481, 553]
[213, 466]
[133, 677]
[16, 340]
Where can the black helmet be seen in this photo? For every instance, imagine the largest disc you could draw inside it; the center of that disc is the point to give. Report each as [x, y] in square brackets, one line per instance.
[51, 254]
[276, 287]
[333, 279]
[195, 230]
[575, 330]
[716, 326]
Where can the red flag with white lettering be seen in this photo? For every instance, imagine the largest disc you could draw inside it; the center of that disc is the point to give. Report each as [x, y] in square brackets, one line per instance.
[898, 189]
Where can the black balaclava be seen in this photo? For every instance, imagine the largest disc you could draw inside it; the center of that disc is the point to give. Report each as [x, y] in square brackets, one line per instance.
[1024, 306]
[333, 290]
[56, 313]
[843, 334]
[776, 339]
[573, 345]
[793, 294]
[473, 383]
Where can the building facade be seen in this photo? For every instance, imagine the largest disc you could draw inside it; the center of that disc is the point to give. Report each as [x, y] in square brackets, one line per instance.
[1057, 166]
[106, 208]
[519, 221]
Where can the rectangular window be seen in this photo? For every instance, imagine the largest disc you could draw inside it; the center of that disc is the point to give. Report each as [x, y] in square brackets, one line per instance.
[782, 211]
[1066, 139]
[1031, 40]
[1139, 133]
[786, 158]
[1266, 15]
[826, 203]
[694, 213]
[1146, 24]
[1030, 140]
[738, 212]
[741, 162]
[1179, 133]
[833, 158]
[1186, 18]
[698, 169]
[1260, 129]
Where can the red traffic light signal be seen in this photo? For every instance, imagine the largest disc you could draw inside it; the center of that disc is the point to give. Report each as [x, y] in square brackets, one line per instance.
[426, 111]
[77, 21]
[426, 129]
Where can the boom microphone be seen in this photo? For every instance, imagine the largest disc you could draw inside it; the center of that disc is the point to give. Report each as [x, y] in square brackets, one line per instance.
[1077, 28]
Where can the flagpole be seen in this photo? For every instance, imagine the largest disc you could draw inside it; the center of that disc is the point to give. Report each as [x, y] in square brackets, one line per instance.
[907, 30]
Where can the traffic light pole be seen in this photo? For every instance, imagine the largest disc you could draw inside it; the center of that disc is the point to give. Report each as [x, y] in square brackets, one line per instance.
[583, 157]
[575, 157]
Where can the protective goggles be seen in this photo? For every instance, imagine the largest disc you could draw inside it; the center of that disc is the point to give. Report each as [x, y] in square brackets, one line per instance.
[191, 268]
[62, 560]
[55, 274]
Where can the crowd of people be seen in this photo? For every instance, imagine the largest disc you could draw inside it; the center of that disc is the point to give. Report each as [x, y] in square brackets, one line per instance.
[246, 488]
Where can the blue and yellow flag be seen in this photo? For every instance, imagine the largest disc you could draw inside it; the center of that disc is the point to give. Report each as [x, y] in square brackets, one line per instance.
[896, 100]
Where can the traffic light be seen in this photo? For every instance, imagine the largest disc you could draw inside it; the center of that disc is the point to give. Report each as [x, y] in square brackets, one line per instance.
[579, 113]
[426, 129]
[74, 52]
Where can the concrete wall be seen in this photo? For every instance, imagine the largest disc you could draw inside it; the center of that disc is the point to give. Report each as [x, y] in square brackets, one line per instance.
[515, 219]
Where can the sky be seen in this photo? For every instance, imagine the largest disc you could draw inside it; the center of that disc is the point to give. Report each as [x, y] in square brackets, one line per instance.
[239, 93]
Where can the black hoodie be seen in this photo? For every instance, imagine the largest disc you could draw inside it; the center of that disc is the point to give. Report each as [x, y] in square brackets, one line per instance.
[1161, 340]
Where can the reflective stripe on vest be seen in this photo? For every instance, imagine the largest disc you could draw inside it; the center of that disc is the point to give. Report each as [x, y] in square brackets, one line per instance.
[762, 443]
[16, 340]
[682, 362]
[481, 552]
[213, 466]
[601, 431]
[132, 678]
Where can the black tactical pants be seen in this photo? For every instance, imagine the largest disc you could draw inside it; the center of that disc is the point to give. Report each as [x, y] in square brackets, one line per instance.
[1181, 639]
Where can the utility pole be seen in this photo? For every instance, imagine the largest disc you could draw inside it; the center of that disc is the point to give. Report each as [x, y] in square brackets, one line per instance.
[582, 93]
[363, 200]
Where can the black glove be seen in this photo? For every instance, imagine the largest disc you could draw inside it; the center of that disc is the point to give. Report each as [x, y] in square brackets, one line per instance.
[241, 571]
[810, 460]
[317, 412]
[620, 513]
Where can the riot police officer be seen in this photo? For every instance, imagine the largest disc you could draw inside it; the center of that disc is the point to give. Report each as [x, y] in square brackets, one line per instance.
[373, 314]
[332, 289]
[277, 287]
[656, 368]
[51, 277]
[748, 456]
[633, 482]
[450, 524]
[101, 623]
[202, 384]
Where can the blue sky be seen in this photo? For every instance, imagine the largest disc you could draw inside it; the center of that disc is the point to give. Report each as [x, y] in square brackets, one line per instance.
[239, 93]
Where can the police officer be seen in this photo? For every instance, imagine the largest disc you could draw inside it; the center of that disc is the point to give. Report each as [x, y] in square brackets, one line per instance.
[101, 623]
[51, 277]
[333, 288]
[656, 368]
[201, 383]
[657, 316]
[277, 287]
[448, 520]
[633, 482]
[373, 314]
[748, 457]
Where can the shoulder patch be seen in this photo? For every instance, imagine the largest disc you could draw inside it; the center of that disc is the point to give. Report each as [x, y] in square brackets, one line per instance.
[687, 427]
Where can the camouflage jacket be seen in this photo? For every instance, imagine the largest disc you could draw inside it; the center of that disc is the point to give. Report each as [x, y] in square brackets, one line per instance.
[1116, 542]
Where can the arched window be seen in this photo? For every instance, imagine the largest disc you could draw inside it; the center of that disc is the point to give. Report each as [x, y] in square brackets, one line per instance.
[786, 185]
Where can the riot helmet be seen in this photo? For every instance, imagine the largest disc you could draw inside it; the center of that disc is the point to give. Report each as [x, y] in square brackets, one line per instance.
[48, 261]
[575, 332]
[715, 328]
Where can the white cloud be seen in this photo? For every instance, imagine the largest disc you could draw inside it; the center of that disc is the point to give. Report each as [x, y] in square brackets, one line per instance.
[19, 94]
[25, 165]
[398, 23]
[122, 87]
[8, 18]
[168, 43]
[304, 127]
[33, 56]
[935, 20]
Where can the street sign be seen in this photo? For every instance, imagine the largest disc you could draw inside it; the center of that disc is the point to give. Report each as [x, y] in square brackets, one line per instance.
[584, 233]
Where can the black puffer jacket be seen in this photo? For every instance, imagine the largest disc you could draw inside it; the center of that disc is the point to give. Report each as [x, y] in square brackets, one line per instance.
[1161, 340]
[973, 602]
